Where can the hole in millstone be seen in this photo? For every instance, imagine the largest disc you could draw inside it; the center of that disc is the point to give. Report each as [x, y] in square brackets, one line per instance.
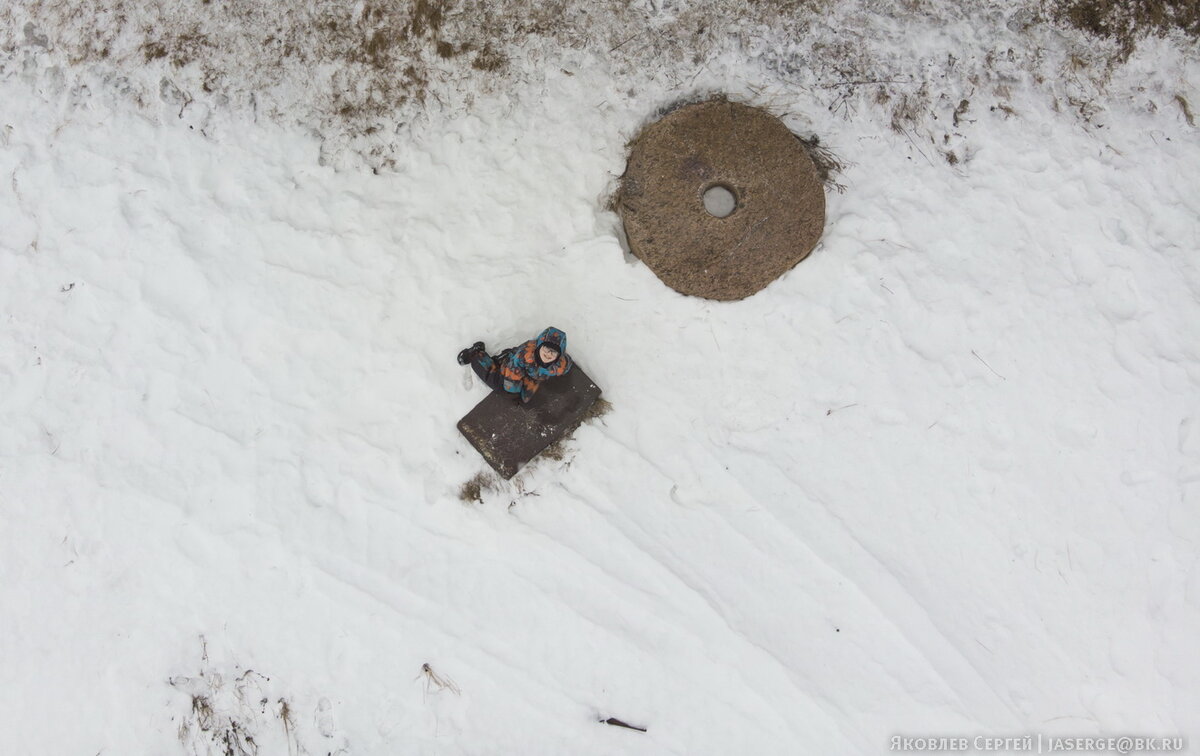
[719, 201]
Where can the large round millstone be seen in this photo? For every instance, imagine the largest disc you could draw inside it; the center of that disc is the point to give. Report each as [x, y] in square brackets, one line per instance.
[720, 199]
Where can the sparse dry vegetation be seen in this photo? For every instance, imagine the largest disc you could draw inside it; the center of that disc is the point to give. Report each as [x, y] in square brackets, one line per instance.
[373, 62]
[358, 73]
[435, 682]
[230, 713]
[1126, 22]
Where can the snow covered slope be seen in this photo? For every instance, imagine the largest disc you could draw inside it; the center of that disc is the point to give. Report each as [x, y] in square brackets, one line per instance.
[942, 478]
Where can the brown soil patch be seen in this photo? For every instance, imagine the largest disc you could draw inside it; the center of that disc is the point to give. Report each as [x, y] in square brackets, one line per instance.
[780, 203]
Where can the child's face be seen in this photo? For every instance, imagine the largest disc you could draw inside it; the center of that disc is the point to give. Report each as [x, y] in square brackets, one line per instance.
[547, 354]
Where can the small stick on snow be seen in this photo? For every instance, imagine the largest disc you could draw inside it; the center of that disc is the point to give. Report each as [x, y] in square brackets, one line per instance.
[989, 367]
[913, 142]
[861, 82]
[618, 723]
[829, 412]
[628, 40]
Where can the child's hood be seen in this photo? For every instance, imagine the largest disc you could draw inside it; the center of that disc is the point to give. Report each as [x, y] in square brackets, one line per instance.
[553, 337]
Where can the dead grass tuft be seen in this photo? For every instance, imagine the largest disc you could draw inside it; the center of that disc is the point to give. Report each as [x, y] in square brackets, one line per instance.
[960, 112]
[488, 59]
[599, 409]
[285, 716]
[153, 50]
[1187, 110]
[427, 17]
[828, 165]
[203, 712]
[556, 451]
[909, 110]
[437, 682]
[472, 491]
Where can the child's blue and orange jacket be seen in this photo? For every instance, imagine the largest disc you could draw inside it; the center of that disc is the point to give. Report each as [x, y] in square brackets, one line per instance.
[521, 370]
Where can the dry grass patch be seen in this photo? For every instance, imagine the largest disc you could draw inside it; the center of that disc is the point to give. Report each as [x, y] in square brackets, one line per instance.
[1126, 22]
[473, 490]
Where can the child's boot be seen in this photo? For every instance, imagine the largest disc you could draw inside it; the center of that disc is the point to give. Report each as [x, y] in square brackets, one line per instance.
[464, 357]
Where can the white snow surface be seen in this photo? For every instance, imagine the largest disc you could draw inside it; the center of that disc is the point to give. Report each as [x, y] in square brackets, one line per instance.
[942, 478]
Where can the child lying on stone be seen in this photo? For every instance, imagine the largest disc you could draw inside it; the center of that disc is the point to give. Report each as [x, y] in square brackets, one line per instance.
[520, 370]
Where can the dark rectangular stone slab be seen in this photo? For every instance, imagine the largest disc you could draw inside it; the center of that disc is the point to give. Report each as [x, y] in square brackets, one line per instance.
[509, 434]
